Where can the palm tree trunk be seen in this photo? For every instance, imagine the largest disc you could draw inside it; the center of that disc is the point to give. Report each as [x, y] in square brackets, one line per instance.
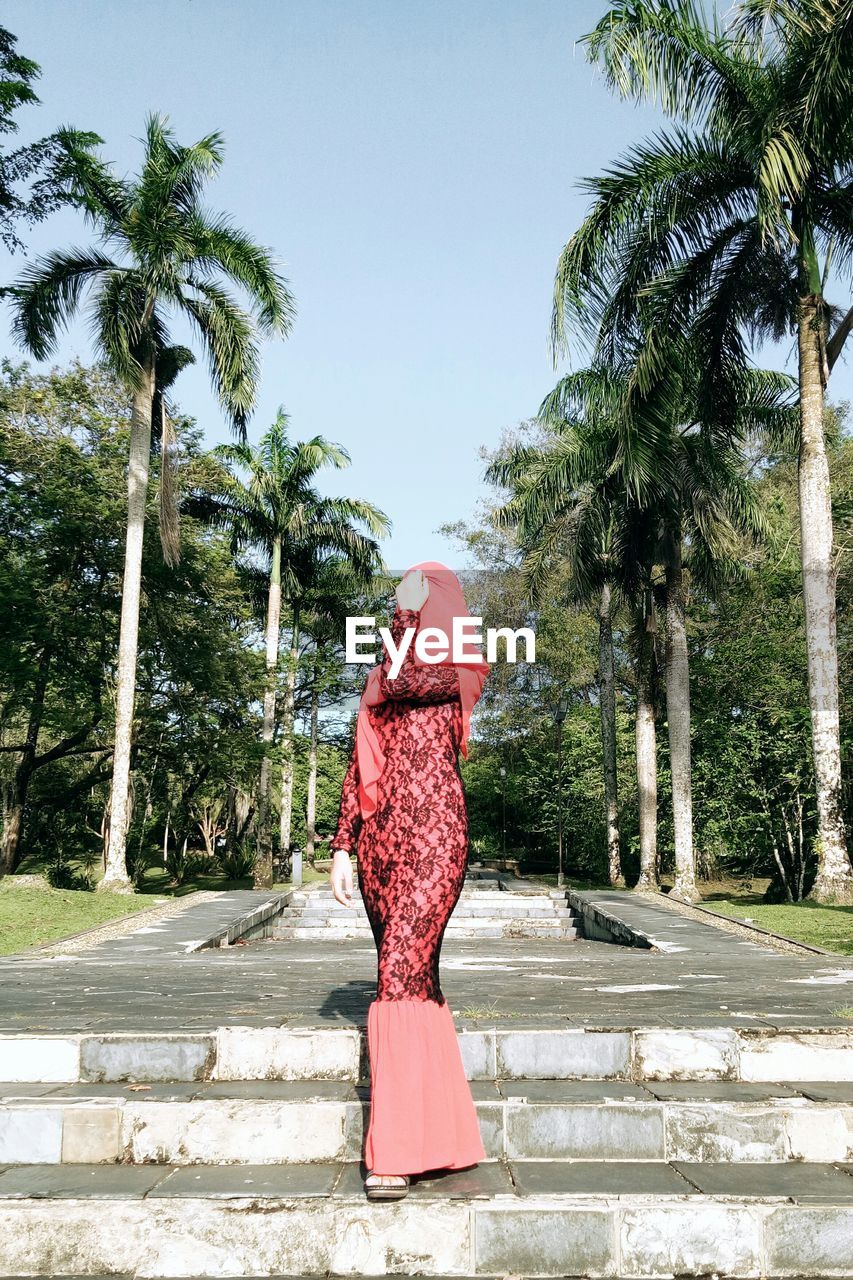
[647, 774]
[287, 738]
[607, 705]
[678, 718]
[263, 873]
[834, 881]
[311, 801]
[115, 876]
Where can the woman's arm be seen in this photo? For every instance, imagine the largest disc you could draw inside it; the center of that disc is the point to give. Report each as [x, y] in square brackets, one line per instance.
[436, 683]
[349, 815]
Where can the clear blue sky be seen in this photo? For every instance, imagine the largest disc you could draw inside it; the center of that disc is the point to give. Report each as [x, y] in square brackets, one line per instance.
[413, 164]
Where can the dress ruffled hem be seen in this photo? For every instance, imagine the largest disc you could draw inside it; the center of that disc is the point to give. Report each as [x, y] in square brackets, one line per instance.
[422, 1113]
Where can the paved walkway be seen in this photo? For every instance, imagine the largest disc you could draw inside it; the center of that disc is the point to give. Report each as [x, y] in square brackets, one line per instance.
[149, 981]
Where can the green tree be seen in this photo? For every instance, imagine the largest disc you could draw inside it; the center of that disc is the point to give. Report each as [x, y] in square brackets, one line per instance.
[159, 251]
[564, 511]
[63, 450]
[725, 228]
[60, 466]
[272, 509]
[325, 609]
[620, 494]
[31, 184]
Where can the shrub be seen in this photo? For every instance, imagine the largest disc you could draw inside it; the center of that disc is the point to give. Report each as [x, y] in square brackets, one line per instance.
[237, 863]
[61, 874]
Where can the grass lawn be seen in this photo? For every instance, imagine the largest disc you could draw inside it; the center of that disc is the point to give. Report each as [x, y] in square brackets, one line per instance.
[30, 915]
[829, 927]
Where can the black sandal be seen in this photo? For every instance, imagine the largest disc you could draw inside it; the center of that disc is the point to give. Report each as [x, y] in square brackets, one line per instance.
[376, 1190]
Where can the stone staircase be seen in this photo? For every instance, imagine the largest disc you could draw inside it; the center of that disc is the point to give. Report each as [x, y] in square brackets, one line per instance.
[483, 911]
[643, 1152]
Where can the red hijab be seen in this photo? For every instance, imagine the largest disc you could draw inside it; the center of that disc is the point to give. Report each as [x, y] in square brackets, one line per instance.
[444, 603]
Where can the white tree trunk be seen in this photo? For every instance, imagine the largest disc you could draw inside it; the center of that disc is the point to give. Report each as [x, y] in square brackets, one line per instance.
[311, 800]
[678, 718]
[287, 740]
[115, 877]
[263, 873]
[607, 706]
[834, 881]
[645, 734]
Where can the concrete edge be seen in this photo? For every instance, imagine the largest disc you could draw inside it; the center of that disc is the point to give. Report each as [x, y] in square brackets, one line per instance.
[602, 926]
[253, 922]
[240, 1052]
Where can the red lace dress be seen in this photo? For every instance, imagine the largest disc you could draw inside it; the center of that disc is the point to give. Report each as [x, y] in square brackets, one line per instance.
[412, 854]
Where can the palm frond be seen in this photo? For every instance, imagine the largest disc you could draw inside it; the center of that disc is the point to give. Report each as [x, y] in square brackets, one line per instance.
[47, 293]
[233, 357]
[349, 510]
[117, 324]
[220, 246]
[671, 51]
[658, 203]
[89, 183]
[173, 176]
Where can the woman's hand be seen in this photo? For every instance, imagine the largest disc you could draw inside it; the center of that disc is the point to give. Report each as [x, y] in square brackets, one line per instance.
[413, 591]
[341, 877]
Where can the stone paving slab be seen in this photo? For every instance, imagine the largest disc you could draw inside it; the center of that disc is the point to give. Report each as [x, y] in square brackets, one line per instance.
[574, 1090]
[516, 1180]
[71, 1181]
[487, 1179]
[285, 1181]
[202, 1090]
[598, 1178]
[799, 1181]
[726, 1091]
[831, 1091]
[148, 982]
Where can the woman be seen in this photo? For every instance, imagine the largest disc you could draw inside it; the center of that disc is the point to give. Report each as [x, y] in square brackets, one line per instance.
[404, 805]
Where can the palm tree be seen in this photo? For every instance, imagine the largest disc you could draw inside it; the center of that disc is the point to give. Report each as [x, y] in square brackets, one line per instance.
[725, 228]
[326, 608]
[277, 513]
[562, 509]
[623, 492]
[159, 252]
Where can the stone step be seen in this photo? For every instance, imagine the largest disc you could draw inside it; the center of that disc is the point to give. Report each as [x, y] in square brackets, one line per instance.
[497, 1052]
[350, 925]
[503, 905]
[316, 915]
[320, 896]
[475, 912]
[318, 919]
[315, 1121]
[308, 933]
[464, 926]
[540, 1218]
[521, 910]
